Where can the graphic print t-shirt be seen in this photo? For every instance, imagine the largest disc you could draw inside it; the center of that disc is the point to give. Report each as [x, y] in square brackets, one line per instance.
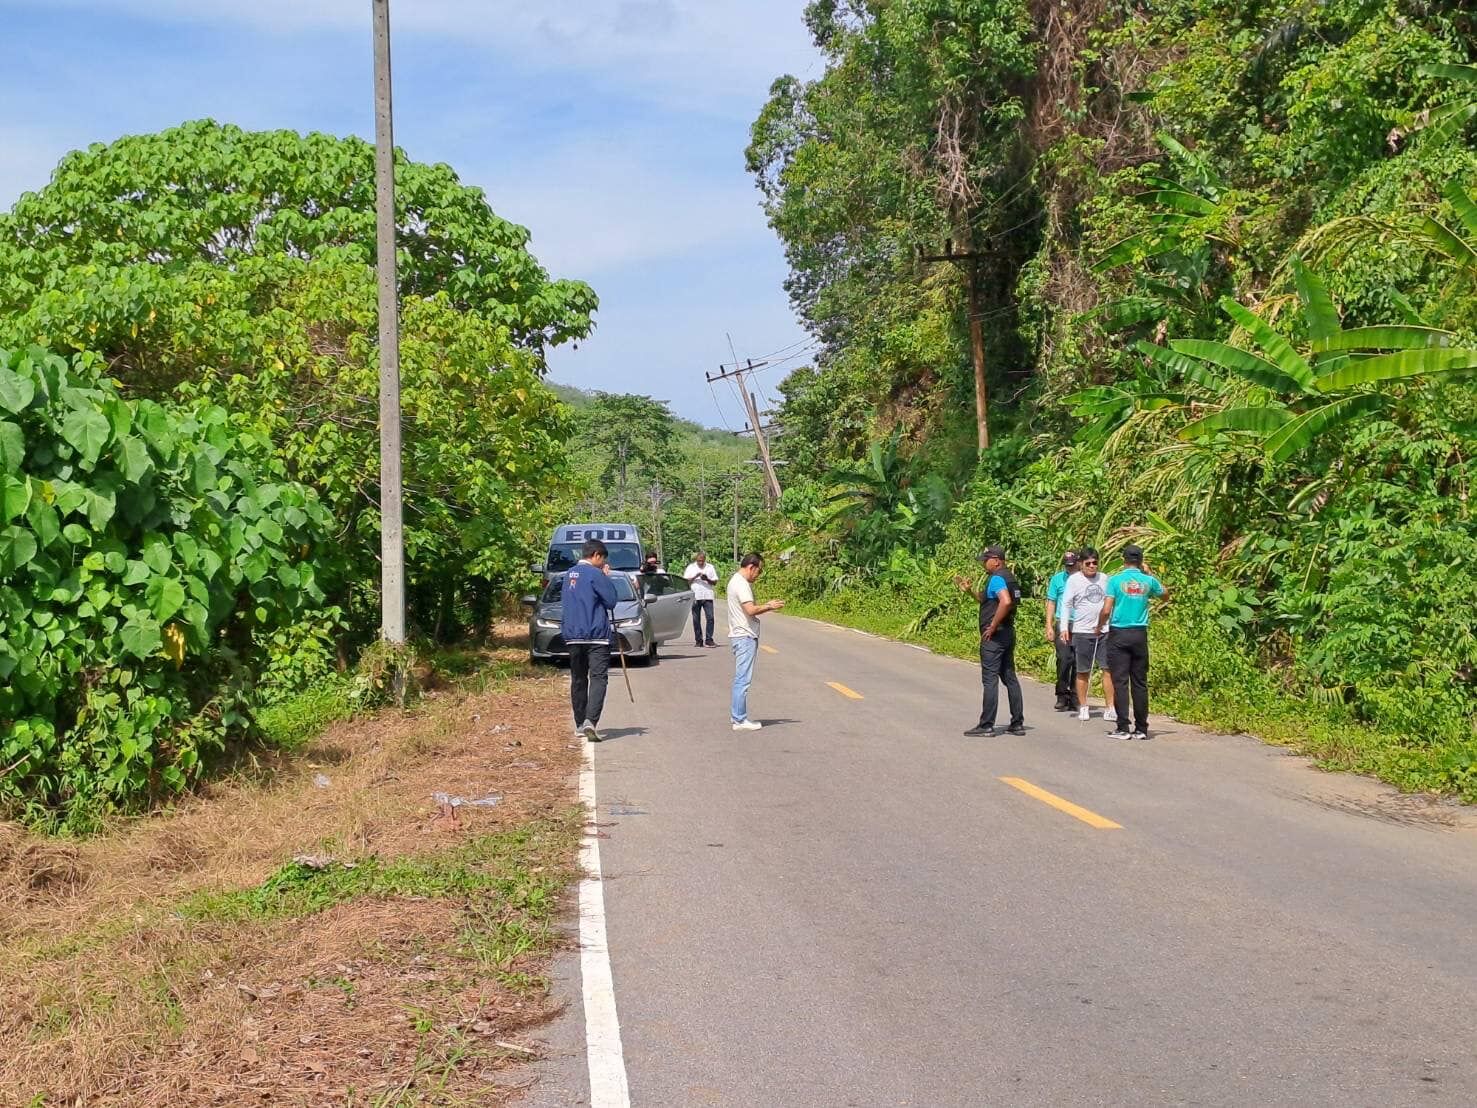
[1131, 590]
[1082, 603]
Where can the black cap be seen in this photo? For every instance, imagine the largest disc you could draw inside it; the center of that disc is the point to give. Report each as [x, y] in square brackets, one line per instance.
[1069, 559]
[1133, 553]
[992, 552]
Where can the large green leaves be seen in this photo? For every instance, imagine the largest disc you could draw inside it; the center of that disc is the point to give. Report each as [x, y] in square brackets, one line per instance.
[1384, 368]
[87, 431]
[16, 391]
[1277, 349]
[1259, 421]
[1299, 433]
[1243, 363]
[105, 553]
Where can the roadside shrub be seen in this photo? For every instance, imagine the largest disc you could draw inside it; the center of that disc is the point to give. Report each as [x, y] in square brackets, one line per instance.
[146, 555]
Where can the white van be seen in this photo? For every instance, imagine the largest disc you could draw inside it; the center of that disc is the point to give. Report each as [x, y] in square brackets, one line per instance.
[622, 542]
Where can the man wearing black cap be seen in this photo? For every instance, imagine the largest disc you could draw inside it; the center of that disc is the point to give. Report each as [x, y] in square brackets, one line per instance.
[998, 602]
[1126, 614]
[1066, 660]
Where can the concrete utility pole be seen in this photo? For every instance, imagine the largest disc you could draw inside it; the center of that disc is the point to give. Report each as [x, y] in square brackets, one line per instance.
[970, 260]
[392, 536]
[771, 481]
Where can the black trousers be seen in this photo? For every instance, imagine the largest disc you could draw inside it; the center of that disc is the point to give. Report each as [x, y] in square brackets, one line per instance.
[1128, 662]
[589, 669]
[997, 667]
[698, 608]
[1066, 671]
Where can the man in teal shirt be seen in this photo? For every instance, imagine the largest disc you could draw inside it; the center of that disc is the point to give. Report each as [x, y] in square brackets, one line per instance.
[1126, 616]
[1066, 665]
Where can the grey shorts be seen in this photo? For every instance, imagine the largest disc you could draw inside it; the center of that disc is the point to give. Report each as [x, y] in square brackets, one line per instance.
[1090, 650]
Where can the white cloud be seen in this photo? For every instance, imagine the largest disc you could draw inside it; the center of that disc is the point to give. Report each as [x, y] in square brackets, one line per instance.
[707, 51]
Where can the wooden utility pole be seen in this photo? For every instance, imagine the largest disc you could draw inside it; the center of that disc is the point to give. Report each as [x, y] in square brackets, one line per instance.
[970, 261]
[392, 537]
[771, 482]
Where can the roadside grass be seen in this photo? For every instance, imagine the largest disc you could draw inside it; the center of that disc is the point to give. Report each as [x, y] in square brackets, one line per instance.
[1202, 683]
[316, 928]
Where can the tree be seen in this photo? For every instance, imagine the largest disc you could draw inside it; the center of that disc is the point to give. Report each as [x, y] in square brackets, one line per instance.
[1282, 397]
[218, 195]
[628, 435]
[210, 263]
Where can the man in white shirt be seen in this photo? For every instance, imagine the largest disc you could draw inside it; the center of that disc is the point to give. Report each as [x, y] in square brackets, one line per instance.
[1077, 623]
[743, 636]
[702, 577]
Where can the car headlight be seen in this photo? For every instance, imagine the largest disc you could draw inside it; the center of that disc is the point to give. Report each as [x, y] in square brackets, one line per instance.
[547, 624]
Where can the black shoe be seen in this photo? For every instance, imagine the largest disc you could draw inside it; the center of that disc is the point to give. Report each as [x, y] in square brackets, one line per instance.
[697, 644]
[1063, 706]
[981, 731]
[1016, 729]
[712, 643]
[1137, 734]
[1120, 732]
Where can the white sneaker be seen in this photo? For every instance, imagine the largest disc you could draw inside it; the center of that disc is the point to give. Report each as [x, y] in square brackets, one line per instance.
[748, 725]
[1084, 714]
[1111, 715]
[589, 732]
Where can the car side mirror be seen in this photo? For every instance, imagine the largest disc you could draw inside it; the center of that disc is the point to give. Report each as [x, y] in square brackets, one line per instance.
[529, 601]
[648, 600]
[537, 567]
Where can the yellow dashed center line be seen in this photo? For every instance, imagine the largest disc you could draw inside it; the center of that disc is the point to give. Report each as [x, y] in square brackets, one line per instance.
[1092, 819]
[850, 694]
[768, 649]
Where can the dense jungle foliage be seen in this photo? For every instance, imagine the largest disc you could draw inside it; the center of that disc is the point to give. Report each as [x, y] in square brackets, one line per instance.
[190, 447]
[1223, 259]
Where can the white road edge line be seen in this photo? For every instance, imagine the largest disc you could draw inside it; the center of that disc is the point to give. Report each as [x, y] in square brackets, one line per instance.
[608, 1085]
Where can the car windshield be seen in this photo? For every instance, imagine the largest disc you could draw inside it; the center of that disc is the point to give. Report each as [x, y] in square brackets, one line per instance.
[624, 590]
[565, 555]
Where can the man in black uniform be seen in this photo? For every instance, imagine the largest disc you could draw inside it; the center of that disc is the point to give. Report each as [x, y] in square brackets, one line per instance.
[998, 602]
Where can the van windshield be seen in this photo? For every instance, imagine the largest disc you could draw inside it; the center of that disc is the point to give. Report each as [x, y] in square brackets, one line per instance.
[564, 556]
[624, 590]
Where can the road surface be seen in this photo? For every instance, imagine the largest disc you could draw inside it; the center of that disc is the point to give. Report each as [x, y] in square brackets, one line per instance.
[859, 906]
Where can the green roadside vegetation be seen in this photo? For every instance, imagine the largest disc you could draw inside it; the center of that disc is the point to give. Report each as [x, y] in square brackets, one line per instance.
[189, 534]
[316, 923]
[1219, 262]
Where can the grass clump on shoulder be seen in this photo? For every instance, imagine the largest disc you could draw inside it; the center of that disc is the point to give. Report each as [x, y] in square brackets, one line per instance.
[521, 868]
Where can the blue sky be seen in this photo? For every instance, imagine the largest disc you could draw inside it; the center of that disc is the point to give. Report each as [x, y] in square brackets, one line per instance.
[613, 129]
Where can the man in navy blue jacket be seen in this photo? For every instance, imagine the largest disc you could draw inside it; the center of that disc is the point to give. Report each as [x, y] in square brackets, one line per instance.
[589, 598]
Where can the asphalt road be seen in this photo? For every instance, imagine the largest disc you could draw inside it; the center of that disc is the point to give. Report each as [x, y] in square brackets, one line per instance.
[851, 907]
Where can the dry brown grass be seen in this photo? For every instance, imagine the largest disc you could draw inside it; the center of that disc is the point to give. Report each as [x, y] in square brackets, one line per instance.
[112, 996]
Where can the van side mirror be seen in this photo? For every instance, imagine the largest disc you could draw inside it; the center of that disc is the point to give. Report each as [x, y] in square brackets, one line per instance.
[529, 601]
[537, 567]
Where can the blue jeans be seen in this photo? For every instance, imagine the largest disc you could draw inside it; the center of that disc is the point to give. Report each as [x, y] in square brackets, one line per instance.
[744, 649]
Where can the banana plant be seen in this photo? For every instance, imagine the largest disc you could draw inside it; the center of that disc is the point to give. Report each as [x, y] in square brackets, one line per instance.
[1337, 375]
[1444, 120]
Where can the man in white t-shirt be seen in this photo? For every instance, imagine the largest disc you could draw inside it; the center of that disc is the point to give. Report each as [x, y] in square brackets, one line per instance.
[1077, 623]
[743, 636]
[703, 578]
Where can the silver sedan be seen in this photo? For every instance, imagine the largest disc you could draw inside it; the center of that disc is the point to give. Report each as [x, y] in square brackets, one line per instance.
[644, 620]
